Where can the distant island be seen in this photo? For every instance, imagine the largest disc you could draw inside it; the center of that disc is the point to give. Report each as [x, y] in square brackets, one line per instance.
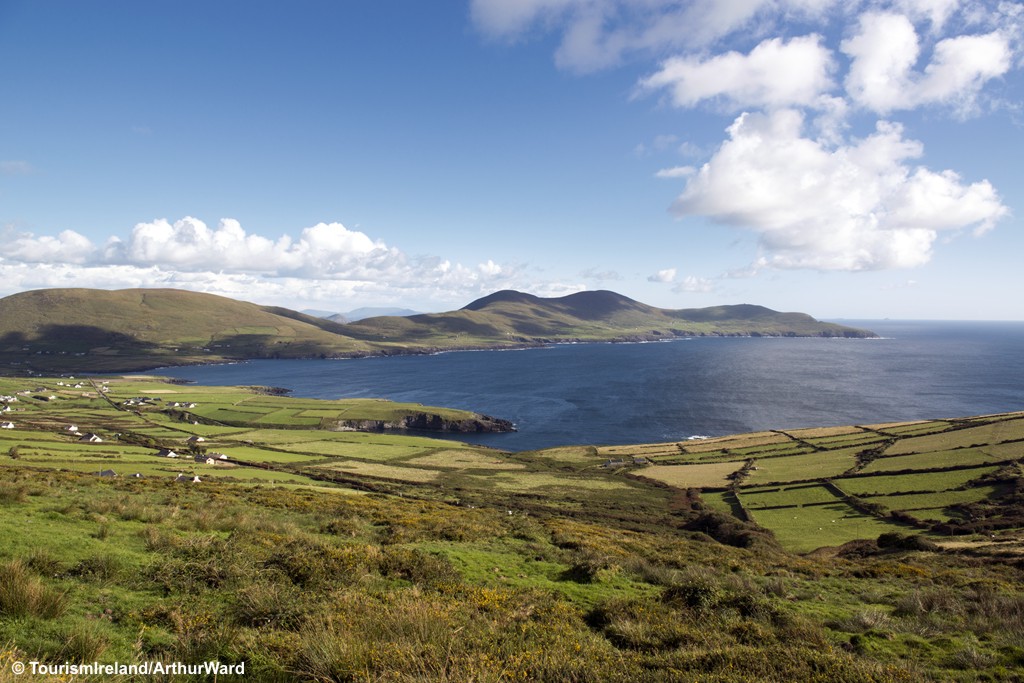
[135, 329]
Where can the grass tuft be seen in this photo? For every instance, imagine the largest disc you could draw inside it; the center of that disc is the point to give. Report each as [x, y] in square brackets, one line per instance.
[23, 594]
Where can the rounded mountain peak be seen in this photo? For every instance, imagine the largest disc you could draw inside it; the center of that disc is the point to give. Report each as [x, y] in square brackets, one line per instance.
[504, 296]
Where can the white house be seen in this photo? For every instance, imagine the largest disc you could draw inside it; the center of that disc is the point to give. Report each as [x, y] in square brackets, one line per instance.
[89, 437]
[167, 453]
[187, 477]
[6, 425]
[196, 439]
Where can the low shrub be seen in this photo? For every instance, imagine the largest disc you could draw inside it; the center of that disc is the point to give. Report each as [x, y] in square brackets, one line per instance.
[418, 567]
[696, 595]
[103, 568]
[267, 604]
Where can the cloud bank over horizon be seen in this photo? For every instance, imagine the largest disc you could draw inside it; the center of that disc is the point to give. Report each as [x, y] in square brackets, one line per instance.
[326, 262]
[791, 171]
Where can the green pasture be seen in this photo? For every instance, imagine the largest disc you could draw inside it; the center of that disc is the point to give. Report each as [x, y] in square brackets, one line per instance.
[939, 499]
[911, 428]
[788, 468]
[465, 459]
[288, 417]
[1005, 451]
[935, 459]
[863, 440]
[265, 455]
[719, 501]
[922, 482]
[772, 450]
[364, 450]
[811, 527]
[413, 475]
[541, 481]
[991, 433]
[786, 496]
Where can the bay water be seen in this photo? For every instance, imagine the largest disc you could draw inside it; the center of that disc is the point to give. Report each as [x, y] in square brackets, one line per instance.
[669, 391]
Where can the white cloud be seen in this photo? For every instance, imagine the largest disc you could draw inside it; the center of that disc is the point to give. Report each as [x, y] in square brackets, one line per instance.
[773, 74]
[935, 11]
[694, 284]
[325, 262]
[666, 275]
[600, 33]
[676, 172]
[861, 206]
[790, 170]
[490, 268]
[67, 247]
[885, 50]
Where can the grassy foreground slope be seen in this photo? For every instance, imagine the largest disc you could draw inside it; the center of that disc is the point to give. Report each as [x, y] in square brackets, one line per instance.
[369, 557]
[73, 330]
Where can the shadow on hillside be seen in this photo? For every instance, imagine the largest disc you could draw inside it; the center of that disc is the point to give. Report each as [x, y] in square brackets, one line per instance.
[74, 338]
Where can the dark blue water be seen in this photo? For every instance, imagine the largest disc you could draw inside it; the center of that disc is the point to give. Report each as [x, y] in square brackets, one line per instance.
[634, 393]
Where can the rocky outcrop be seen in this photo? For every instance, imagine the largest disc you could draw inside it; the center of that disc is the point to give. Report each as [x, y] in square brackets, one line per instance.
[428, 422]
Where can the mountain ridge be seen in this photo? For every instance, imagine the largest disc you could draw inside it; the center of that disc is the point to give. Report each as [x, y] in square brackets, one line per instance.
[79, 328]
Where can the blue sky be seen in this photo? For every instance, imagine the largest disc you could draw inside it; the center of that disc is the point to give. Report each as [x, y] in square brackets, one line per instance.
[856, 160]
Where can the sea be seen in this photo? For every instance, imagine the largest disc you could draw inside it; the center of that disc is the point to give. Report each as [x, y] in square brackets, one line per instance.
[606, 394]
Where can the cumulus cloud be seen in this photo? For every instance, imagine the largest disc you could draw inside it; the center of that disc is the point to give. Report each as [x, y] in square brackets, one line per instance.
[666, 275]
[791, 170]
[324, 262]
[859, 206]
[66, 247]
[325, 250]
[886, 48]
[775, 73]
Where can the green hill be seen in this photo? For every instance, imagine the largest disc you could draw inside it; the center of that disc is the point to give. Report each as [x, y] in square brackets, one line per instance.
[133, 328]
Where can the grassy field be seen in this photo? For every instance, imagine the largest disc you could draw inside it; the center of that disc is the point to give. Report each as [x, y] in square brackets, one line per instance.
[913, 482]
[457, 562]
[817, 525]
[702, 475]
[787, 496]
[808, 466]
[935, 459]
